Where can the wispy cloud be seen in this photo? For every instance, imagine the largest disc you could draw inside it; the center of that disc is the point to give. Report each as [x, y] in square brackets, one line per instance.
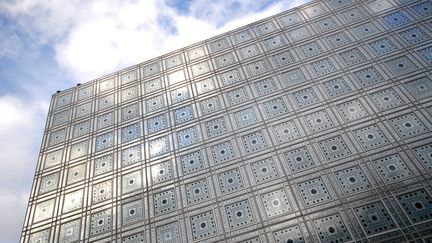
[47, 45]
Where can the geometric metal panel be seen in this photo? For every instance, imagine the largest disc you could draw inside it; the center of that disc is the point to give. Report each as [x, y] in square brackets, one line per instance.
[386, 99]
[332, 229]
[276, 203]
[382, 46]
[370, 137]
[102, 191]
[245, 118]
[133, 212]
[49, 183]
[103, 164]
[131, 155]
[289, 235]
[101, 222]
[164, 202]
[319, 121]
[420, 88]
[162, 172]
[44, 210]
[197, 191]
[415, 36]
[408, 125]
[76, 174]
[368, 76]
[230, 181]
[352, 110]
[336, 87]
[203, 225]
[223, 152]
[239, 214]
[73, 201]
[417, 205]
[105, 120]
[352, 57]
[305, 97]
[396, 19]
[192, 162]
[286, 132]
[216, 127]
[299, 159]
[334, 148]
[425, 154]
[264, 170]
[70, 231]
[131, 182]
[374, 218]
[314, 192]
[401, 66]
[352, 180]
[392, 168]
[338, 39]
[168, 233]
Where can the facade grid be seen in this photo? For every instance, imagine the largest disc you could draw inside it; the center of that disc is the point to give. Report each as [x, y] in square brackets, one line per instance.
[313, 125]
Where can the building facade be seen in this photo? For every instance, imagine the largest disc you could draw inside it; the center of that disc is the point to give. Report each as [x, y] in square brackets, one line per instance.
[313, 125]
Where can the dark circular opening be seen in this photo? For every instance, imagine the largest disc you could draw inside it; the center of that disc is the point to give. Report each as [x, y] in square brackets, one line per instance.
[407, 124]
[392, 167]
[100, 221]
[132, 211]
[239, 214]
[352, 179]
[370, 136]
[374, 218]
[264, 170]
[203, 225]
[222, 152]
[164, 201]
[197, 191]
[298, 159]
[331, 230]
[191, 161]
[230, 180]
[334, 147]
[313, 191]
[418, 205]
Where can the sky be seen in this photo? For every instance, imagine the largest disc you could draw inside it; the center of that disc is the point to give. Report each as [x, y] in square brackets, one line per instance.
[50, 45]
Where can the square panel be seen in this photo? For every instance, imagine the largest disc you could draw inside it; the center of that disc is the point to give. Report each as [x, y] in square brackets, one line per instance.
[180, 95]
[424, 9]
[336, 4]
[265, 28]
[130, 112]
[131, 182]
[203, 225]
[131, 155]
[152, 86]
[293, 77]
[205, 86]
[396, 19]
[157, 123]
[230, 181]
[237, 96]
[387, 99]
[151, 69]
[134, 238]
[249, 51]
[426, 54]
[63, 100]
[314, 10]
[130, 132]
[103, 164]
[338, 39]
[81, 129]
[332, 229]
[246, 117]
[70, 231]
[273, 43]
[257, 68]
[187, 137]
[305, 97]
[197, 191]
[225, 60]
[53, 158]
[76, 174]
[242, 36]
[365, 31]
[105, 120]
[299, 34]
[374, 218]
[336, 87]
[183, 114]
[102, 192]
[129, 94]
[168, 233]
[73, 201]
[290, 19]
[379, 5]
[326, 24]
[239, 214]
[334, 148]
[79, 150]
[417, 205]
[223, 152]
[276, 203]
[192, 162]
[162, 172]
[210, 105]
[420, 88]
[254, 142]
[323, 67]
[352, 57]
[425, 154]
[265, 86]
[275, 108]
[219, 45]
[392, 168]
[314, 192]
[200, 69]
[370, 137]
[282, 59]
[285, 132]
[230, 77]
[401, 66]
[159, 146]
[408, 125]
[319, 121]
[382, 47]
[132, 212]
[164, 202]
[352, 180]
[106, 85]
[311, 49]
[368, 76]
[106, 102]
[155, 103]
[216, 127]
[173, 61]
[264, 170]
[299, 159]
[44, 210]
[56, 137]
[352, 110]
[100, 222]
[49, 183]
[414, 36]
[196, 53]
[60, 118]
[292, 234]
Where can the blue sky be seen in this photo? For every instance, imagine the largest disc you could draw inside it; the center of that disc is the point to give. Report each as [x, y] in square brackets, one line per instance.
[49, 45]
